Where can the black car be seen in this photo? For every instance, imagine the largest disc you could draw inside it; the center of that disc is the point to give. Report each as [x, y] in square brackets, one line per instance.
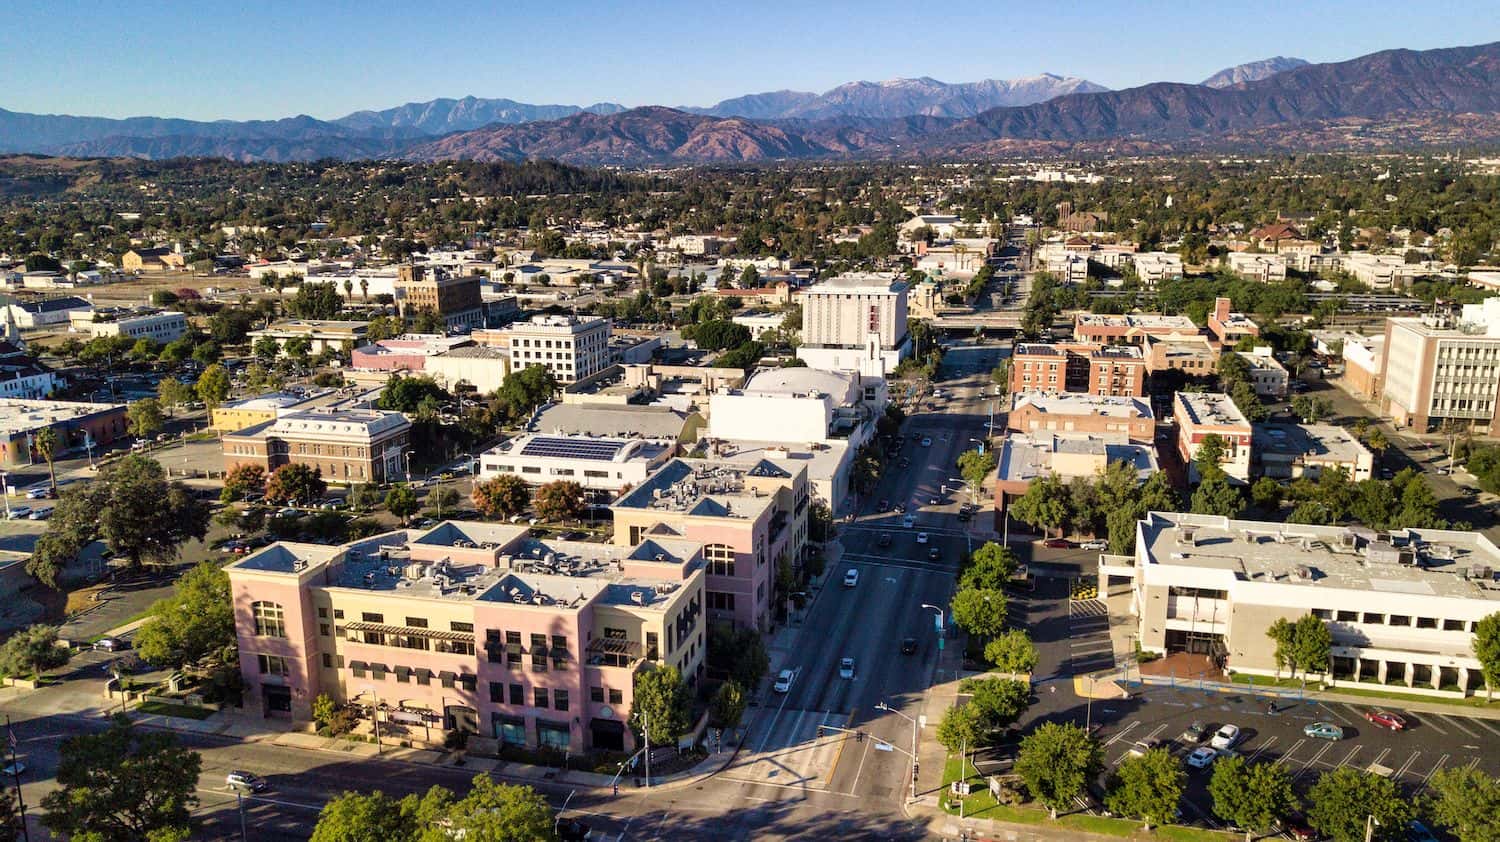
[909, 646]
[572, 830]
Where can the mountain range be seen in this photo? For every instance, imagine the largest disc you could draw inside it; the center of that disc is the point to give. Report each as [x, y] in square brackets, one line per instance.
[1253, 71]
[1384, 99]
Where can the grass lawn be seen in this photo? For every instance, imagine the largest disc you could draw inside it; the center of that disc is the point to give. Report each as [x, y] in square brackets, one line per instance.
[167, 709]
[1363, 689]
[980, 804]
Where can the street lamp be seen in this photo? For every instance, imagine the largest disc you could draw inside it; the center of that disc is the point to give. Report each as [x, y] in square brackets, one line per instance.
[375, 716]
[407, 454]
[941, 627]
[888, 709]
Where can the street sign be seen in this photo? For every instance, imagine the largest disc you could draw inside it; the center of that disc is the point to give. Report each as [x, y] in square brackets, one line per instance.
[884, 747]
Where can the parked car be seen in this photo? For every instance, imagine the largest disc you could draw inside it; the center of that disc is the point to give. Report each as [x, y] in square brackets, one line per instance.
[784, 681]
[934, 554]
[1324, 731]
[846, 668]
[885, 540]
[13, 768]
[1226, 736]
[20, 512]
[573, 830]
[1058, 543]
[909, 646]
[1202, 757]
[41, 492]
[1094, 545]
[245, 780]
[921, 537]
[1298, 828]
[1140, 747]
[1418, 832]
[908, 522]
[851, 577]
[1386, 719]
[41, 513]
[1194, 733]
[927, 441]
[900, 508]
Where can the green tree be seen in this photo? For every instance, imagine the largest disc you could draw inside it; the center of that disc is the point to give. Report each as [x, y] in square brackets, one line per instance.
[1255, 796]
[316, 301]
[1311, 408]
[1012, 652]
[1342, 801]
[1209, 459]
[132, 508]
[207, 353]
[1486, 646]
[266, 348]
[1283, 635]
[31, 652]
[295, 481]
[1158, 495]
[1311, 642]
[144, 417]
[1467, 802]
[742, 356]
[728, 705]
[974, 466]
[196, 621]
[1419, 508]
[409, 394]
[442, 499]
[364, 496]
[364, 817]
[173, 393]
[501, 496]
[242, 480]
[1056, 762]
[495, 811]
[738, 654]
[1215, 496]
[1044, 505]
[718, 335]
[998, 702]
[989, 568]
[401, 501]
[661, 701]
[979, 612]
[1147, 786]
[122, 785]
[213, 386]
[960, 727]
[1266, 494]
[560, 500]
[525, 390]
[48, 444]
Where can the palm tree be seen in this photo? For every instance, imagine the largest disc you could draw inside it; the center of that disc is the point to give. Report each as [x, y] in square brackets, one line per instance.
[364, 288]
[47, 444]
[348, 288]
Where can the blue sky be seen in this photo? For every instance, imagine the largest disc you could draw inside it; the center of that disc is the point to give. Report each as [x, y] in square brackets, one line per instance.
[268, 59]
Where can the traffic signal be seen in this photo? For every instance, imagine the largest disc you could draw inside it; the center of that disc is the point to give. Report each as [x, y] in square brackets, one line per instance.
[820, 732]
[859, 736]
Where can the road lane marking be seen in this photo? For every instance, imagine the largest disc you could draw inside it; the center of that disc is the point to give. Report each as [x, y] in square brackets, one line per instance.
[227, 795]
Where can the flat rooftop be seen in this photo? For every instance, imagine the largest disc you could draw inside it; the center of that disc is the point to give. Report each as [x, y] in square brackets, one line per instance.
[275, 400]
[587, 448]
[1325, 441]
[1024, 458]
[631, 420]
[1078, 403]
[1416, 562]
[17, 416]
[873, 284]
[1213, 409]
[1137, 321]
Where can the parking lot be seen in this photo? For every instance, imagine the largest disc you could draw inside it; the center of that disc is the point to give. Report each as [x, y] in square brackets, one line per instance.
[1411, 757]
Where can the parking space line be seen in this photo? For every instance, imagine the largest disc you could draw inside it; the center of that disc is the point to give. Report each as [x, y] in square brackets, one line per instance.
[1379, 757]
[1336, 714]
[1349, 757]
[1287, 755]
[1407, 765]
[1428, 777]
[1428, 721]
[1123, 731]
[1307, 767]
[1485, 725]
[1456, 724]
[1267, 744]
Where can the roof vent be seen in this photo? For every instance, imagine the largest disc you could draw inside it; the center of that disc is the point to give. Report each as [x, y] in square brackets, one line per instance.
[1304, 572]
[638, 597]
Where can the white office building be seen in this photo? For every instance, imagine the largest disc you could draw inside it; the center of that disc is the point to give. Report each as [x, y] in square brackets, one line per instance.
[607, 465]
[855, 323]
[573, 348]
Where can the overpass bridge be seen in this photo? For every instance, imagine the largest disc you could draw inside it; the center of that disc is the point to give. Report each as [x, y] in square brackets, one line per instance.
[1005, 320]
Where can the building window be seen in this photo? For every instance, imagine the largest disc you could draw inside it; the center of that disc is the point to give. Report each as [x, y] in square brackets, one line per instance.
[269, 621]
[517, 694]
[1400, 620]
[323, 629]
[616, 697]
[539, 697]
[596, 695]
[560, 699]
[327, 661]
[718, 601]
[271, 664]
[559, 652]
[720, 559]
[513, 650]
[416, 622]
[538, 653]
[369, 617]
[653, 648]
[461, 627]
[497, 692]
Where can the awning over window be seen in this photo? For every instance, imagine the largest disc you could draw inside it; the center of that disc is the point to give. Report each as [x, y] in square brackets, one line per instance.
[410, 631]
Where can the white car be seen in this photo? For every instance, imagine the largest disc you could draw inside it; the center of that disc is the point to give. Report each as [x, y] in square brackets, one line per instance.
[908, 522]
[784, 681]
[13, 769]
[1225, 737]
[846, 668]
[1094, 545]
[851, 577]
[1202, 757]
[20, 512]
[927, 441]
[921, 537]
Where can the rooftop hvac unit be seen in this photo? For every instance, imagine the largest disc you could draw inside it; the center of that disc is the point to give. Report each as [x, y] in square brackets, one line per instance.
[638, 597]
[1304, 572]
[1188, 535]
[1481, 572]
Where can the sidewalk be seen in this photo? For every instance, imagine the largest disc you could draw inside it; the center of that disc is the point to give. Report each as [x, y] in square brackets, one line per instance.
[1406, 703]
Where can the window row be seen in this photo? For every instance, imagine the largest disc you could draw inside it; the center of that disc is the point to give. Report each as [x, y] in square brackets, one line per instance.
[539, 696]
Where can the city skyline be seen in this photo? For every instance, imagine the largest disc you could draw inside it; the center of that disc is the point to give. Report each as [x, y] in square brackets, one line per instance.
[335, 59]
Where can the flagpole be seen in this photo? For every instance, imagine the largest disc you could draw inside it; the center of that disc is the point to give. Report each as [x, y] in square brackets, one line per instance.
[20, 801]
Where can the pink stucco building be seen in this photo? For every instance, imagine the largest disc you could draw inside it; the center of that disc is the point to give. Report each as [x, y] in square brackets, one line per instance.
[473, 627]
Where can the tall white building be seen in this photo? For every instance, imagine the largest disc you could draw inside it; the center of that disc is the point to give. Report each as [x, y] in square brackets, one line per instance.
[573, 348]
[855, 323]
[1439, 369]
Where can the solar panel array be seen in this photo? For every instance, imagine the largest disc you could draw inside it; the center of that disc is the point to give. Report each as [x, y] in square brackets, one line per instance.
[600, 450]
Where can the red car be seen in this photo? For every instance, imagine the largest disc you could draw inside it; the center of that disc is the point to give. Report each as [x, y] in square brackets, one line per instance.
[1057, 543]
[1385, 719]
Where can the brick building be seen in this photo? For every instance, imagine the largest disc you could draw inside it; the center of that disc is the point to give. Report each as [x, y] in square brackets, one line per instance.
[347, 445]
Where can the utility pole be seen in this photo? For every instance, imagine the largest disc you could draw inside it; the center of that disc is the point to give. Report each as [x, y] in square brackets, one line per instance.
[646, 727]
[10, 742]
[239, 801]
